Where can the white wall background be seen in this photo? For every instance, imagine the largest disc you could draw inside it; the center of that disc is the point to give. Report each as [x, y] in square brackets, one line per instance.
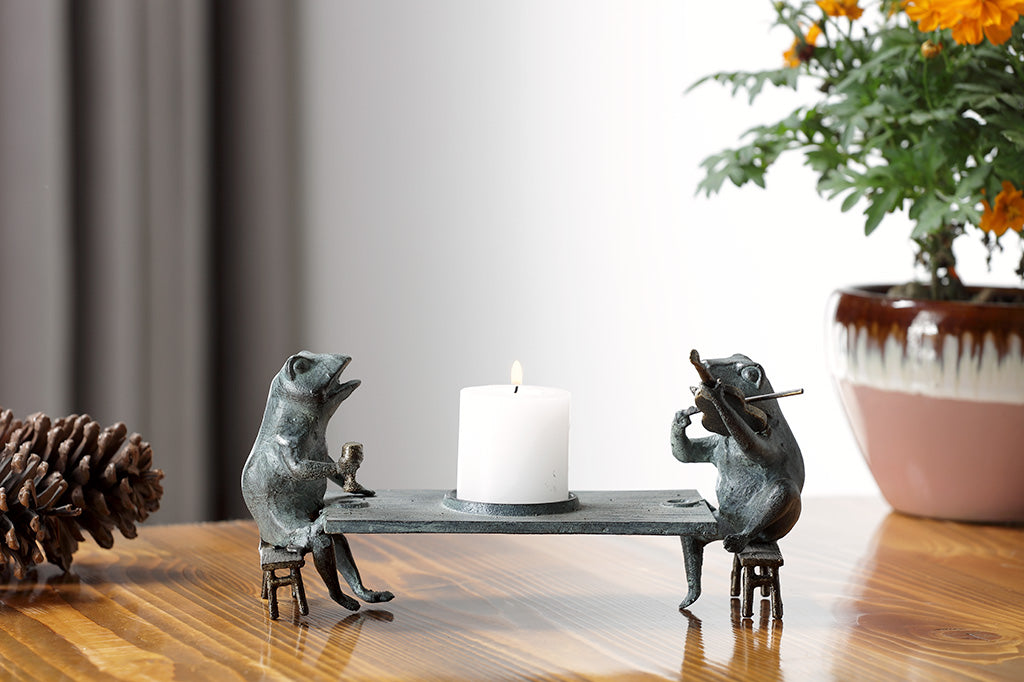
[490, 181]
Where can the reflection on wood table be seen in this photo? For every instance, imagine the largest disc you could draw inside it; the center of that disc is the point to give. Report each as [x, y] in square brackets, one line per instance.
[868, 595]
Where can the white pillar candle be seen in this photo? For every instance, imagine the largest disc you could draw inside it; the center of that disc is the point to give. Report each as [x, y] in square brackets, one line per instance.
[513, 444]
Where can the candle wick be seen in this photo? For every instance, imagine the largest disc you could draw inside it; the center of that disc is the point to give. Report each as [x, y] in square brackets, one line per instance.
[517, 389]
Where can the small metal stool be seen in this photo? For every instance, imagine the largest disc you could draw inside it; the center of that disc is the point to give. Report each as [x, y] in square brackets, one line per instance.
[757, 565]
[272, 559]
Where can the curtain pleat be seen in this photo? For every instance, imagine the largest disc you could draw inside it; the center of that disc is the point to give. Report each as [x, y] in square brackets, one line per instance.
[35, 250]
[147, 215]
[256, 223]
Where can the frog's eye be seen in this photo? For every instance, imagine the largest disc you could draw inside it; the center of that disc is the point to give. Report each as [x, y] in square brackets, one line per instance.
[298, 365]
[752, 374]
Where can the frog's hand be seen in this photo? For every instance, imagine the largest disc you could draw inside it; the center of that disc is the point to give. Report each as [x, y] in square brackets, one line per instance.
[686, 449]
[720, 416]
[290, 455]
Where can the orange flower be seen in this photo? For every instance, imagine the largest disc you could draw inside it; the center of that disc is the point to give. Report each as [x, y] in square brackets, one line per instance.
[968, 32]
[929, 14]
[993, 17]
[802, 48]
[1007, 214]
[841, 8]
[969, 20]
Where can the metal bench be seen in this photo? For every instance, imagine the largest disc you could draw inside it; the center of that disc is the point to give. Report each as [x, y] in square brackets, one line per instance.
[680, 513]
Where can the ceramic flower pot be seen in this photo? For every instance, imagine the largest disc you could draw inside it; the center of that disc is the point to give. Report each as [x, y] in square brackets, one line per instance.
[934, 392]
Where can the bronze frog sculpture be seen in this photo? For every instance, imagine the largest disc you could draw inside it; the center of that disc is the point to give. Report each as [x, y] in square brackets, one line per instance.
[285, 477]
[760, 467]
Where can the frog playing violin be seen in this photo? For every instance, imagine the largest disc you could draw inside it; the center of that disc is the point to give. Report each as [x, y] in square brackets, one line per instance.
[760, 468]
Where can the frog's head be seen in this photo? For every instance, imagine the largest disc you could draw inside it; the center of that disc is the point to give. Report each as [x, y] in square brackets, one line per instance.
[740, 372]
[314, 379]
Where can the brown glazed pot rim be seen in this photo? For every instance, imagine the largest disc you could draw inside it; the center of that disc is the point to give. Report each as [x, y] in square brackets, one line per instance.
[869, 307]
[1005, 297]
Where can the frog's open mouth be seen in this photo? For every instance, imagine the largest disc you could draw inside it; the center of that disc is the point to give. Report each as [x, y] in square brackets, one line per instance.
[336, 386]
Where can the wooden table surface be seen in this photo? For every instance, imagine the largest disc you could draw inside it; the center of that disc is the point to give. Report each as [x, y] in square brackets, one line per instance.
[868, 595]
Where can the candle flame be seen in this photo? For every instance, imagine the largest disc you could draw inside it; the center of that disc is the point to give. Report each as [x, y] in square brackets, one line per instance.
[517, 374]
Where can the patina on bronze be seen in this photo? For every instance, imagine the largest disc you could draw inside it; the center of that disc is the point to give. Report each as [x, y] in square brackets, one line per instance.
[760, 467]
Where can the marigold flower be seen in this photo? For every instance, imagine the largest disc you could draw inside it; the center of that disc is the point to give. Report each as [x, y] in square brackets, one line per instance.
[1008, 212]
[802, 49]
[841, 8]
[969, 20]
[968, 32]
[929, 14]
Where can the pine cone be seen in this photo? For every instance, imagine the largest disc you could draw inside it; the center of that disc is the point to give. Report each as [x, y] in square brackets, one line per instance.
[70, 475]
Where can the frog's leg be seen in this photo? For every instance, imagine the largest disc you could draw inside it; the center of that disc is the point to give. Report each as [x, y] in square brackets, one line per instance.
[326, 566]
[347, 565]
[769, 515]
[693, 560]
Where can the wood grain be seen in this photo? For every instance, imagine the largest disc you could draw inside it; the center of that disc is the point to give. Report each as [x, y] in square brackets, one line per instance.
[868, 595]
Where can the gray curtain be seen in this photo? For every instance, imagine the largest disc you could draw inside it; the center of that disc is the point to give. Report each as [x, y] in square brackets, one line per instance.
[148, 164]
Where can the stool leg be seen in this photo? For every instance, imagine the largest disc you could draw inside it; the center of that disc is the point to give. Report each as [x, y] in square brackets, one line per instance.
[299, 591]
[749, 583]
[734, 578]
[776, 595]
[272, 597]
[266, 584]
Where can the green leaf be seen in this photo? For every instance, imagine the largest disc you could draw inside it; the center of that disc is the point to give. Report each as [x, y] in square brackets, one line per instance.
[851, 200]
[881, 203]
[923, 117]
[1012, 100]
[973, 180]
[929, 212]
[1014, 136]
[834, 183]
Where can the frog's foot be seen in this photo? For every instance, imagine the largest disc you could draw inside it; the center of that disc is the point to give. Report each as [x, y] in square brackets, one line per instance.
[358, 490]
[345, 600]
[374, 596]
[735, 542]
[691, 597]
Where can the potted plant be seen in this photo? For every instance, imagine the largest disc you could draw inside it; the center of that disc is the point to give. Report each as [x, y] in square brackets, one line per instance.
[921, 109]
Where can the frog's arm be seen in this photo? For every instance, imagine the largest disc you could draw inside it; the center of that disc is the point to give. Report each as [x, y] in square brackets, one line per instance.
[686, 449]
[289, 453]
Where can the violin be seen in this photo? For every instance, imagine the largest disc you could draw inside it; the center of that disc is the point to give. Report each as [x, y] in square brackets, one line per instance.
[733, 397]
